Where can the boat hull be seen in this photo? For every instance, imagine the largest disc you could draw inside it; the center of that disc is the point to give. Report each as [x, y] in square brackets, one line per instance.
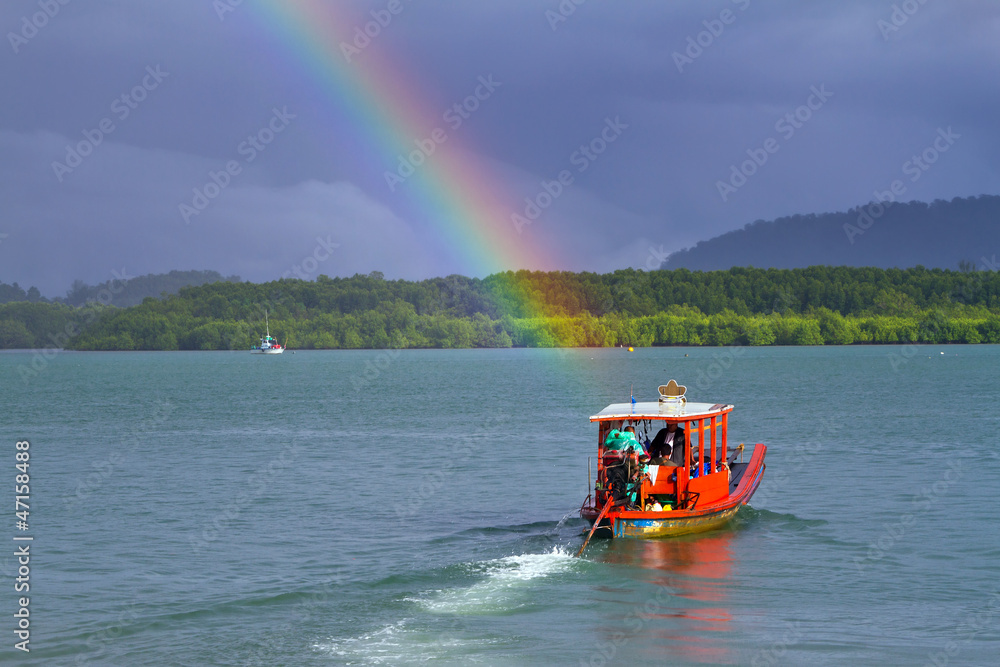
[659, 524]
[267, 351]
[666, 527]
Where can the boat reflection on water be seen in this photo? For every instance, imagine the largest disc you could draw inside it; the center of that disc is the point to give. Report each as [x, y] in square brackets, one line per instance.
[682, 612]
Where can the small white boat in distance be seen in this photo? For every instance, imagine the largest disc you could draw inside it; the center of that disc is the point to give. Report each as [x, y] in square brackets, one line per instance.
[268, 345]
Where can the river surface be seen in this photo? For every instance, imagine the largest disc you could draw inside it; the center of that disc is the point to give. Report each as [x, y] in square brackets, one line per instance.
[414, 507]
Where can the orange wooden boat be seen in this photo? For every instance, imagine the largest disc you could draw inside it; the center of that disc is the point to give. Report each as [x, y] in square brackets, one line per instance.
[702, 490]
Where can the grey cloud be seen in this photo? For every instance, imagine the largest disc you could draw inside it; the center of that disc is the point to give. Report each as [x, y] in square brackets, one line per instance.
[656, 187]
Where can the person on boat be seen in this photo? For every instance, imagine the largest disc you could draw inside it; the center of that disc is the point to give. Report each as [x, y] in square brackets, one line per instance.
[622, 441]
[624, 476]
[644, 444]
[667, 447]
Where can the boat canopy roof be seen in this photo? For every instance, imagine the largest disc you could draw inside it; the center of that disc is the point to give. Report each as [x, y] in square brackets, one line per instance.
[666, 411]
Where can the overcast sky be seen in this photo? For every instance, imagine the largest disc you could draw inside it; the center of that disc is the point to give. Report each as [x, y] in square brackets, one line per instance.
[684, 91]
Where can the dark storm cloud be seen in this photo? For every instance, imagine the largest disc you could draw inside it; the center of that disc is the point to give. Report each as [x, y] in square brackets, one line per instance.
[701, 88]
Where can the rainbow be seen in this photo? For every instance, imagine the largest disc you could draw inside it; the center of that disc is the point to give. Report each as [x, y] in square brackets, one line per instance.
[456, 198]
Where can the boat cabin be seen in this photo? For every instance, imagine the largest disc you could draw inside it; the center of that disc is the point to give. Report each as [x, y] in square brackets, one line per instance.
[704, 476]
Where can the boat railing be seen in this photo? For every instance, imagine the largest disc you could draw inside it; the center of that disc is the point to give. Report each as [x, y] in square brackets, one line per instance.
[705, 476]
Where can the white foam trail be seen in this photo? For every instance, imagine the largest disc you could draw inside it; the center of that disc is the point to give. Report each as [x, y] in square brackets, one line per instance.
[505, 587]
[397, 644]
[379, 647]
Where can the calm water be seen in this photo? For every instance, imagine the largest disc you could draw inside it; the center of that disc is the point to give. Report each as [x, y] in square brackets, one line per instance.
[326, 508]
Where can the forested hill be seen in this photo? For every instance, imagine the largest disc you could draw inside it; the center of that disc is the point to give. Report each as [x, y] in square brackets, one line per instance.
[132, 291]
[940, 234]
[121, 291]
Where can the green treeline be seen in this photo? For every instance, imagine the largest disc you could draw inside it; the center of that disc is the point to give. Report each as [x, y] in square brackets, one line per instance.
[25, 324]
[126, 291]
[121, 291]
[818, 305]
[15, 292]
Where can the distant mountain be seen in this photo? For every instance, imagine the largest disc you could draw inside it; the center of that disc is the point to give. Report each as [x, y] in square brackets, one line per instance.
[132, 291]
[937, 235]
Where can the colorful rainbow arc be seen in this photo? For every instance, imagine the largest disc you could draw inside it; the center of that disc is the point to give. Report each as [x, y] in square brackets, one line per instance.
[459, 200]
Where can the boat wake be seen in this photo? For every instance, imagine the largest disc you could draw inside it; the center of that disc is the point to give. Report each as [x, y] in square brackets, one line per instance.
[533, 529]
[505, 588]
[403, 643]
[750, 515]
[506, 585]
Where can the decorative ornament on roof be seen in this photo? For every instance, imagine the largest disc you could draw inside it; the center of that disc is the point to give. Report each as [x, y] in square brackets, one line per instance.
[673, 393]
